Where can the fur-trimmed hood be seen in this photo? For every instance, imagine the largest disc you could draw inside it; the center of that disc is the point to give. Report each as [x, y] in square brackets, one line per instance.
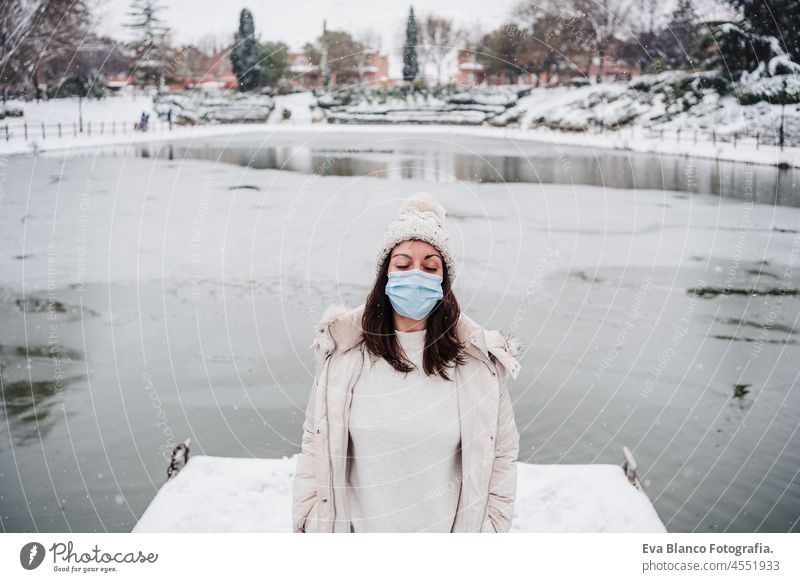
[339, 329]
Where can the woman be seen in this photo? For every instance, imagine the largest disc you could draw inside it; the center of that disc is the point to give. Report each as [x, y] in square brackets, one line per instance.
[409, 425]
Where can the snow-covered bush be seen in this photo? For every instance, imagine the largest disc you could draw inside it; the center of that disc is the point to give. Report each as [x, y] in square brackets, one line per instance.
[195, 107]
[422, 105]
[781, 89]
[12, 109]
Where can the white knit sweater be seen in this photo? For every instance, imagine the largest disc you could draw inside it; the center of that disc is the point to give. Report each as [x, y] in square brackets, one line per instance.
[405, 437]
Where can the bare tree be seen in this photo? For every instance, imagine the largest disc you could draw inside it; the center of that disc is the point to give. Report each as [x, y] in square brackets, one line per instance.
[469, 36]
[370, 42]
[608, 19]
[34, 33]
[436, 41]
[151, 43]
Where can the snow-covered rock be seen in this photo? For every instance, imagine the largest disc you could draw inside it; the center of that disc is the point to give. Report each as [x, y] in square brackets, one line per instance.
[196, 107]
[495, 105]
[12, 109]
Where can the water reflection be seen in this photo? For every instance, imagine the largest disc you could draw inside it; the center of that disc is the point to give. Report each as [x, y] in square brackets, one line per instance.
[540, 163]
[32, 378]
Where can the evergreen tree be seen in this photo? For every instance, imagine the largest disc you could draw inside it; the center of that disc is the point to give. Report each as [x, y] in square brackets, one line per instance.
[150, 45]
[410, 64]
[245, 54]
[274, 62]
[773, 18]
[679, 40]
[733, 49]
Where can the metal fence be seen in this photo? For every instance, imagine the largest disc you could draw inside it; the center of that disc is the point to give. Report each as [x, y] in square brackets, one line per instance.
[693, 136]
[29, 131]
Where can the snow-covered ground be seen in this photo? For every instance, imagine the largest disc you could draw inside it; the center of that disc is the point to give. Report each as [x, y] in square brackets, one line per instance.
[120, 109]
[216, 494]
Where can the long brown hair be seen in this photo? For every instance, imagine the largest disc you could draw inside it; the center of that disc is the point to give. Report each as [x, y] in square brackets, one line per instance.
[442, 346]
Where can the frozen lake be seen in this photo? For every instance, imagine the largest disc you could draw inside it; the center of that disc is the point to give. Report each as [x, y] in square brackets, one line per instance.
[393, 156]
[147, 299]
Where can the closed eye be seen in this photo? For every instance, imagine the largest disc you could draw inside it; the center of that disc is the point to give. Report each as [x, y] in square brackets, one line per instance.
[431, 269]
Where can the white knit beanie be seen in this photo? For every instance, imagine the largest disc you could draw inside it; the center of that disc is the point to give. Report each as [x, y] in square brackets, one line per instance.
[420, 217]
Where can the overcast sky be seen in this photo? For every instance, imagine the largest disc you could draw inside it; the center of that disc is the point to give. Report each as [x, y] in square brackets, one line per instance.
[298, 21]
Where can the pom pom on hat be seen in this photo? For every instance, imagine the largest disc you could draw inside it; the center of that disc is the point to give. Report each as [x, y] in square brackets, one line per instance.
[420, 217]
[423, 202]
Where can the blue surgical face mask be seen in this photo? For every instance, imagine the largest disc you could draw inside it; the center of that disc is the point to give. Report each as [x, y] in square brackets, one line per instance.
[413, 293]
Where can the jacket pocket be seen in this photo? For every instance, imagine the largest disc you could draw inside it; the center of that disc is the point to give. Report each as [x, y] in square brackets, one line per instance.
[488, 526]
[310, 523]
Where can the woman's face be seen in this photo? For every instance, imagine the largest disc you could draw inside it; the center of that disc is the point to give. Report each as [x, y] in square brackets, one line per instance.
[416, 254]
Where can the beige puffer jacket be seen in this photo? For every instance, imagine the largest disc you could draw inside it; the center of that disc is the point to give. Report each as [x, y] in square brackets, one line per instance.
[489, 437]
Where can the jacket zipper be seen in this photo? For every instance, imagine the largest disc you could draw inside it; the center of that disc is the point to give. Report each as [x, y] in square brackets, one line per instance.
[494, 451]
[348, 402]
[327, 429]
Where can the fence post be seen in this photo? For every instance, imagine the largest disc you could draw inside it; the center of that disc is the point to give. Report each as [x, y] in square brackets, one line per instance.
[758, 136]
[74, 130]
[59, 130]
[7, 135]
[714, 135]
[89, 128]
[734, 139]
[26, 130]
[102, 127]
[695, 136]
[678, 139]
[43, 133]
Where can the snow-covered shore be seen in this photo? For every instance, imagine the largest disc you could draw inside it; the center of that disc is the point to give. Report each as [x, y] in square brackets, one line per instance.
[636, 139]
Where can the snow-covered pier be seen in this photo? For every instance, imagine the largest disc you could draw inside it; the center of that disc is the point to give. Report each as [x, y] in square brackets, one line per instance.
[224, 494]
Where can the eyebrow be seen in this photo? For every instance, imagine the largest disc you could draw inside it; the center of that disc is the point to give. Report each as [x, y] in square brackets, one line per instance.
[409, 256]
